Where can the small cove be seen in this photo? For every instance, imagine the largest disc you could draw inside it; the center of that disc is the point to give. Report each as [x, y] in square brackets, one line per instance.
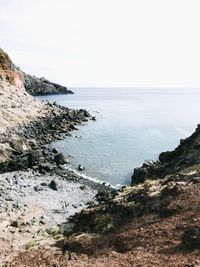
[133, 125]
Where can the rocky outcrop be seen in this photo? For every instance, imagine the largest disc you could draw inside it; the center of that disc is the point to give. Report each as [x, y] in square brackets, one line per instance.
[186, 155]
[41, 86]
[24, 120]
[32, 84]
[5, 61]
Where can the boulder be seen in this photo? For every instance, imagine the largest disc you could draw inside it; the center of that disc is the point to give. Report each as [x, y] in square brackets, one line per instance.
[5, 152]
[60, 159]
[20, 145]
[53, 185]
[81, 167]
[35, 157]
[191, 238]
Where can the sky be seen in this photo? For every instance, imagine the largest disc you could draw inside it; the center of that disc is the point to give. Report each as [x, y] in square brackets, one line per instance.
[105, 43]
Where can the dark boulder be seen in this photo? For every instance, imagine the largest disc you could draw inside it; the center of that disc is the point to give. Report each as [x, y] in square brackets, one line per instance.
[60, 159]
[53, 185]
[35, 157]
[55, 151]
[20, 162]
[81, 167]
[46, 167]
[191, 238]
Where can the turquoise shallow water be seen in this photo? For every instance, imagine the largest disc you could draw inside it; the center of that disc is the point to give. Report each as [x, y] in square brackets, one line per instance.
[133, 125]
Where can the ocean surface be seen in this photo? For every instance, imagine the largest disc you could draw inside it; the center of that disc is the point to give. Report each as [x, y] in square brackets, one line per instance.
[133, 125]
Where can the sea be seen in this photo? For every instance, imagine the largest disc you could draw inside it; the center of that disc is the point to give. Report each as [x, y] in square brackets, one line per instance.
[133, 125]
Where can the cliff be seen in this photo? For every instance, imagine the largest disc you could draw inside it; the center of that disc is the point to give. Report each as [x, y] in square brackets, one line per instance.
[185, 156]
[41, 86]
[16, 105]
[32, 84]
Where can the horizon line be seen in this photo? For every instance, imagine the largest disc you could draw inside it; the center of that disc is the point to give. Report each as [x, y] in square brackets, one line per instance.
[131, 87]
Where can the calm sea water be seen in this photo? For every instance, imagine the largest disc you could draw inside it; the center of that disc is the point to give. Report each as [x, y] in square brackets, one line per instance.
[133, 125]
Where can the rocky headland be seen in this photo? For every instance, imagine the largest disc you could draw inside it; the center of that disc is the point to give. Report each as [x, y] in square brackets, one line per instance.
[42, 86]
[33, 84]
[52, 217]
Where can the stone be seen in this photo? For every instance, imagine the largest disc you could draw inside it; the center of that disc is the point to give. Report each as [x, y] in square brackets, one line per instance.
[55, 151]
[15, 224]
[61, 159]
[81, 167]
[191, 238]
[47, 167]
[82, 187]
[53, 185]
[5, 152]
[20, 145]
[38, 188]
[35, 157]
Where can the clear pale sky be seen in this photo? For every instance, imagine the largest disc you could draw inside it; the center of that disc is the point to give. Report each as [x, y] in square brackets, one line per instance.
[139, 43]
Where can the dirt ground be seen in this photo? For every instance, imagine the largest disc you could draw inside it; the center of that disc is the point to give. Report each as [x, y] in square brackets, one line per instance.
[146, 241]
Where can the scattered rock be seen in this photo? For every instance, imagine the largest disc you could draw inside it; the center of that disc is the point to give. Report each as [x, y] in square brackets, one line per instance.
[81, 167]
[53, 185]
[82, 187]
[61, 159]
[38, 188]
[15, 224]
[55, 151]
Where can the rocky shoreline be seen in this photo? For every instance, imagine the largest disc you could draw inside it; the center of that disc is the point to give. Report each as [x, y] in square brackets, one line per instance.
[51, 216]
[37, 192]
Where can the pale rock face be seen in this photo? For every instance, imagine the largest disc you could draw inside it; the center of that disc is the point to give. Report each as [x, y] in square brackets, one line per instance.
[5, 152]
[17, 107]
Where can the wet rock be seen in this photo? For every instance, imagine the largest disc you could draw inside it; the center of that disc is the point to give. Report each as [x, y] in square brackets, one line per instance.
[61, 159]
[191, 238]
[55, 151]
[81, 167]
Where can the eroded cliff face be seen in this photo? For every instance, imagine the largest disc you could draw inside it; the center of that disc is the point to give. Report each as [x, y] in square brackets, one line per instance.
[8, 73]
[32, 84]
[16, 105]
